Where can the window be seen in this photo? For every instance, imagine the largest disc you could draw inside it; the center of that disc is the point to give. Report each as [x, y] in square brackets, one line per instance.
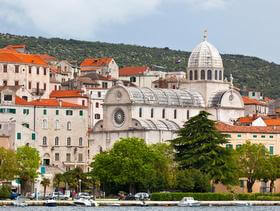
[175, 114]
[38, 70]
[239, 135]
[253, 94]
[25, 111]
[97, 105]
[16, 83]
[262, 136]
[5, 68]
[56, 112]
[68, 157]
[29, 85]
[229, 146]
[220, 75]
[16, 69]
[45, 124]
[80, 141]
[195, 75]
[270, 136]
[140, 112]
[56, 156]
[163, 113]
[241, 183]
[68, 141]
[18, 136]
[202, 75]
[238, 146]
[56, 141]
[45, 86]
[38, 85]
[45, 143]
[228, 136]
[209, 75]
[68, 125]
[25, 125]
[83, 102]
[33, 136]
[133, 79]
[97, 116]
[255, 136]
[29, 69]
[191, 75]
[45, 111]
[271, 150]
[152, 113]
[80, 157]
[81, 113]
[69, 112]
[188, 114]
[45, 71]
[216, 75]
[8, 97]
[104, 85]
[57, 124]
[5, 83]
[99, 94]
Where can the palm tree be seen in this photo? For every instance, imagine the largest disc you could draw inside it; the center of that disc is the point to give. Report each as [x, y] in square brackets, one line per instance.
[45, 182]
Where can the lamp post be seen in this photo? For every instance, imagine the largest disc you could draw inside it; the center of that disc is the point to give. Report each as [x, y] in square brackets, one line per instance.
[80, 185]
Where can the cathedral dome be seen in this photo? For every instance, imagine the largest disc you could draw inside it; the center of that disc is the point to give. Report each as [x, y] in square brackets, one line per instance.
[205, 55]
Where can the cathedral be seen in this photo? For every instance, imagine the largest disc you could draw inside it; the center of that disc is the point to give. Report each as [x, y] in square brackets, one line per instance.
[156, 114]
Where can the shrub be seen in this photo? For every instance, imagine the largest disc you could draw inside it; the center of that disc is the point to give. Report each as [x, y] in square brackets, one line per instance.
[5, 192]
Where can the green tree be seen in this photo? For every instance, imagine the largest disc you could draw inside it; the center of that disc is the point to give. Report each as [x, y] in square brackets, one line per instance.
[251, 159]
[271, 170]
[199, 146]
[59, 180]
[29, 161]
[72, 178]
[129, 162]
[45, 182]
[8, 164]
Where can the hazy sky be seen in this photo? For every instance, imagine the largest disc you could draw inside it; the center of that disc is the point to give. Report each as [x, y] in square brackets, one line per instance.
[249, 27]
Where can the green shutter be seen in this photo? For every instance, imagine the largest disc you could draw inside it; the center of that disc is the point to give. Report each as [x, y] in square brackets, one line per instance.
[2, 110]
[18, 136]
[238, 146]
[57, 112]
[33, 136]
[239, 136]
[270, 136]
[255, 136]
[229, 146]
[45, 111]
[271, 150]
[81, 113]
[263, 136]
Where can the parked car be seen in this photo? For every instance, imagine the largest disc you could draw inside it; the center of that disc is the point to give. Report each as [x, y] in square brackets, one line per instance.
[14, 195]
[58, 195]
[142, 196]
[130, 197]
[84, 195]
[33, 196]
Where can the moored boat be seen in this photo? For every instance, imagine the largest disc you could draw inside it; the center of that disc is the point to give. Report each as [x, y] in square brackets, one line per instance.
[188, 202]
[50, 203]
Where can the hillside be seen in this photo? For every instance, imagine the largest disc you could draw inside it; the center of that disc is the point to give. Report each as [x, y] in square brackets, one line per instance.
[248, 72]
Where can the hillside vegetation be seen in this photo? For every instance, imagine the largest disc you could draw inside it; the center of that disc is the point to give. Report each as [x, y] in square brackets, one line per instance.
[250, 73]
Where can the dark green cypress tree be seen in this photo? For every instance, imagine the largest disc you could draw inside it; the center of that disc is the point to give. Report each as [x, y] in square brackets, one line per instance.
[199, 146]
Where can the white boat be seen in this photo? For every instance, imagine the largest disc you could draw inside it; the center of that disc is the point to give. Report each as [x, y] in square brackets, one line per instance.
[242, 203]
[20, 202]
[188, 202]
[50, 203]
[84, 202]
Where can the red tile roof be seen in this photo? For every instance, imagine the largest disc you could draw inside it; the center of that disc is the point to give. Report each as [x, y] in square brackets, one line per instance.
[96, 62]
[66, 94]
[247, 119]
[250, 101]
[47, 58]
[130, 71]
[20, 101]
[272, 122]
[222, 127]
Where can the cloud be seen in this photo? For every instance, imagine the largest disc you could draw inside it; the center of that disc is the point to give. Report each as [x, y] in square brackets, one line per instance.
[80, 18]
[206, 4]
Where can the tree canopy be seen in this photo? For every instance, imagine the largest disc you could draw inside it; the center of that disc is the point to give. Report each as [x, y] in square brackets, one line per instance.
[8, 164]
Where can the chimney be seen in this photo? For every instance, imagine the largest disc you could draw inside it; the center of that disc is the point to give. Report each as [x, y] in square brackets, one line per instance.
[60, 103]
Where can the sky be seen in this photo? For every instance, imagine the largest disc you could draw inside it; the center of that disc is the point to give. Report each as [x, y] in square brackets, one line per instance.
[248, 27]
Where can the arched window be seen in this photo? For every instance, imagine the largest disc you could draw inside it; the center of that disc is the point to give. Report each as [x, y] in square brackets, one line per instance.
[68, 142]
[163, 113]
[202, 75]
[140, 112]
[175, 114]
[191, 75]
[56, 141]
[195, 75]
[57, 124]
[152, 113]
[45, 143]
[216, 74]
[68, 125]
[220, 75]
[97, 105]
[45, 124]
[80, 141]
[209, 75]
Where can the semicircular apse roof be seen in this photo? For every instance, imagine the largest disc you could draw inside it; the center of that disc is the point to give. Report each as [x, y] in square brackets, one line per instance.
[164, 124]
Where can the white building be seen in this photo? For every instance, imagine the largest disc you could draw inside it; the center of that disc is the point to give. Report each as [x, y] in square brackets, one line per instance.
[156, 114]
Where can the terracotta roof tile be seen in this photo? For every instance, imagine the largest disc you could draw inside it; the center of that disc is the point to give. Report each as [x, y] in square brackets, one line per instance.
[250, 101]
[96, 62]
[20, 101]
[66, 94]
[272, 122]
[222, 127]
[130, 71]
[247, 119]
[54, 103]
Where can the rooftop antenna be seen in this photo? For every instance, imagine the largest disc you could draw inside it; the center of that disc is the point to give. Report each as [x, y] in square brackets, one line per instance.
[205, 35]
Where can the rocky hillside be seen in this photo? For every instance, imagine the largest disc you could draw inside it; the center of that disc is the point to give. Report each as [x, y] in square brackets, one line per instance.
[249, 72]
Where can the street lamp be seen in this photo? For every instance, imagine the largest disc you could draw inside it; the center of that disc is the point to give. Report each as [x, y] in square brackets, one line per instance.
[80, 185]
